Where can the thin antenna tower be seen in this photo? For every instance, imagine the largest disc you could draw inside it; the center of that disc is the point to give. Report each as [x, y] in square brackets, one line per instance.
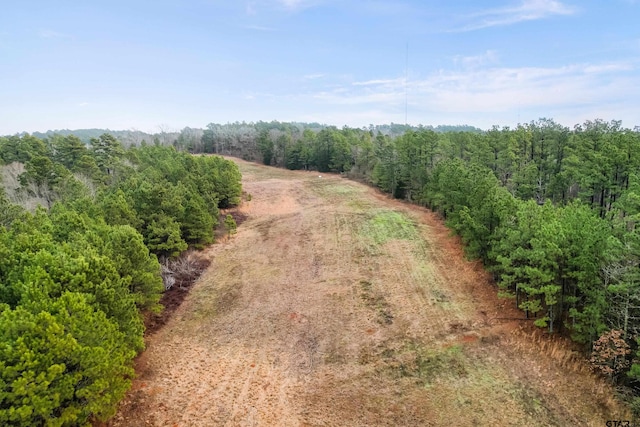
[406, 79]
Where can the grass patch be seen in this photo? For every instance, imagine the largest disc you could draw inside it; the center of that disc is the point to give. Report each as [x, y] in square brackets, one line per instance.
[387, 225]
[439, 296]
[342, 189]
[332, 191]
[210, 303]
[424, 365]
[359, 204]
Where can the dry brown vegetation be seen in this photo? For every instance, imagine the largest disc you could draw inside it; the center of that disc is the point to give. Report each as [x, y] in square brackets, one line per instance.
[334, 305]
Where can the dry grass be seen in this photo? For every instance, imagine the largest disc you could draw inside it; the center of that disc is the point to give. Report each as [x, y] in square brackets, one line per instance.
[184, 270]
[558, 355]
[334, 305]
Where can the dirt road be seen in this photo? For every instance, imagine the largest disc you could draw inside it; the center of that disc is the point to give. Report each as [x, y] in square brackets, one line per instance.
[335, 306]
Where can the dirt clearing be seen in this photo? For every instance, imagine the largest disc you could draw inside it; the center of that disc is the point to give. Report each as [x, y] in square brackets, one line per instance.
[336, 306]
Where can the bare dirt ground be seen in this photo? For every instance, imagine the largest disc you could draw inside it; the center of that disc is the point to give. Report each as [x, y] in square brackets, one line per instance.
[336, 306]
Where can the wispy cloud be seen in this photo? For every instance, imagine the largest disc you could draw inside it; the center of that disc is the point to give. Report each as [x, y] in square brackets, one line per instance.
[313, 76]
[376, 82]
[291, 3]
[297, 5]
[251, 95]
[527, 10]
[504, 89]
[496, 89]
[250, 8]
[487, 58]
[50, 34]
[389, 7]
[258, 28]
[83, 104]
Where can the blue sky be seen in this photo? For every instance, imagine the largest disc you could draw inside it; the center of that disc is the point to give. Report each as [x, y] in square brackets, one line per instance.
[167, 64]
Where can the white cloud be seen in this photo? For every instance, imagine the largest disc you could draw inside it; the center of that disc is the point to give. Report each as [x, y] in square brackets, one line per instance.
[49, 34]
[574, 90]
[258, 28]
[486, 58]
[379, 82]
[602, 68]
[389, 97]
[528, 10]
[292, 4]
[313, 76]
[296, 5]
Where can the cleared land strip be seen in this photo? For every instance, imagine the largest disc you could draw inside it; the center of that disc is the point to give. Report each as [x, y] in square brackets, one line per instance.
[336, 306]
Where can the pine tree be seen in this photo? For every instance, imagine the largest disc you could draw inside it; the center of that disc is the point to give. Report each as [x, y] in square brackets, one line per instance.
[230, 225]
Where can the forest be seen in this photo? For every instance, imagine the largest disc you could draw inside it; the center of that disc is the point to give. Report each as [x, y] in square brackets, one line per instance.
[85, 230]
[551, 211]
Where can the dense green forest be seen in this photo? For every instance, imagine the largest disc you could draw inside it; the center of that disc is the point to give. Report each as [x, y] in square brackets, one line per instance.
[84, 229]
[551, 211]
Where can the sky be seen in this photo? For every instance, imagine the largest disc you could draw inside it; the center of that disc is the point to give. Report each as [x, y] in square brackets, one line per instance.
[163, 65]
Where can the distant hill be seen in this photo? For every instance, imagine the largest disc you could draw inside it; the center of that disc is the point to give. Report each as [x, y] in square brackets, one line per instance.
[135, 137]
[396, 129]
[84, 134]
[457, 128]
[127, 137]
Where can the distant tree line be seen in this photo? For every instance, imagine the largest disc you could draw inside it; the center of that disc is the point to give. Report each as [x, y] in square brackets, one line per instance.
[82, 230]
[225, 138]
